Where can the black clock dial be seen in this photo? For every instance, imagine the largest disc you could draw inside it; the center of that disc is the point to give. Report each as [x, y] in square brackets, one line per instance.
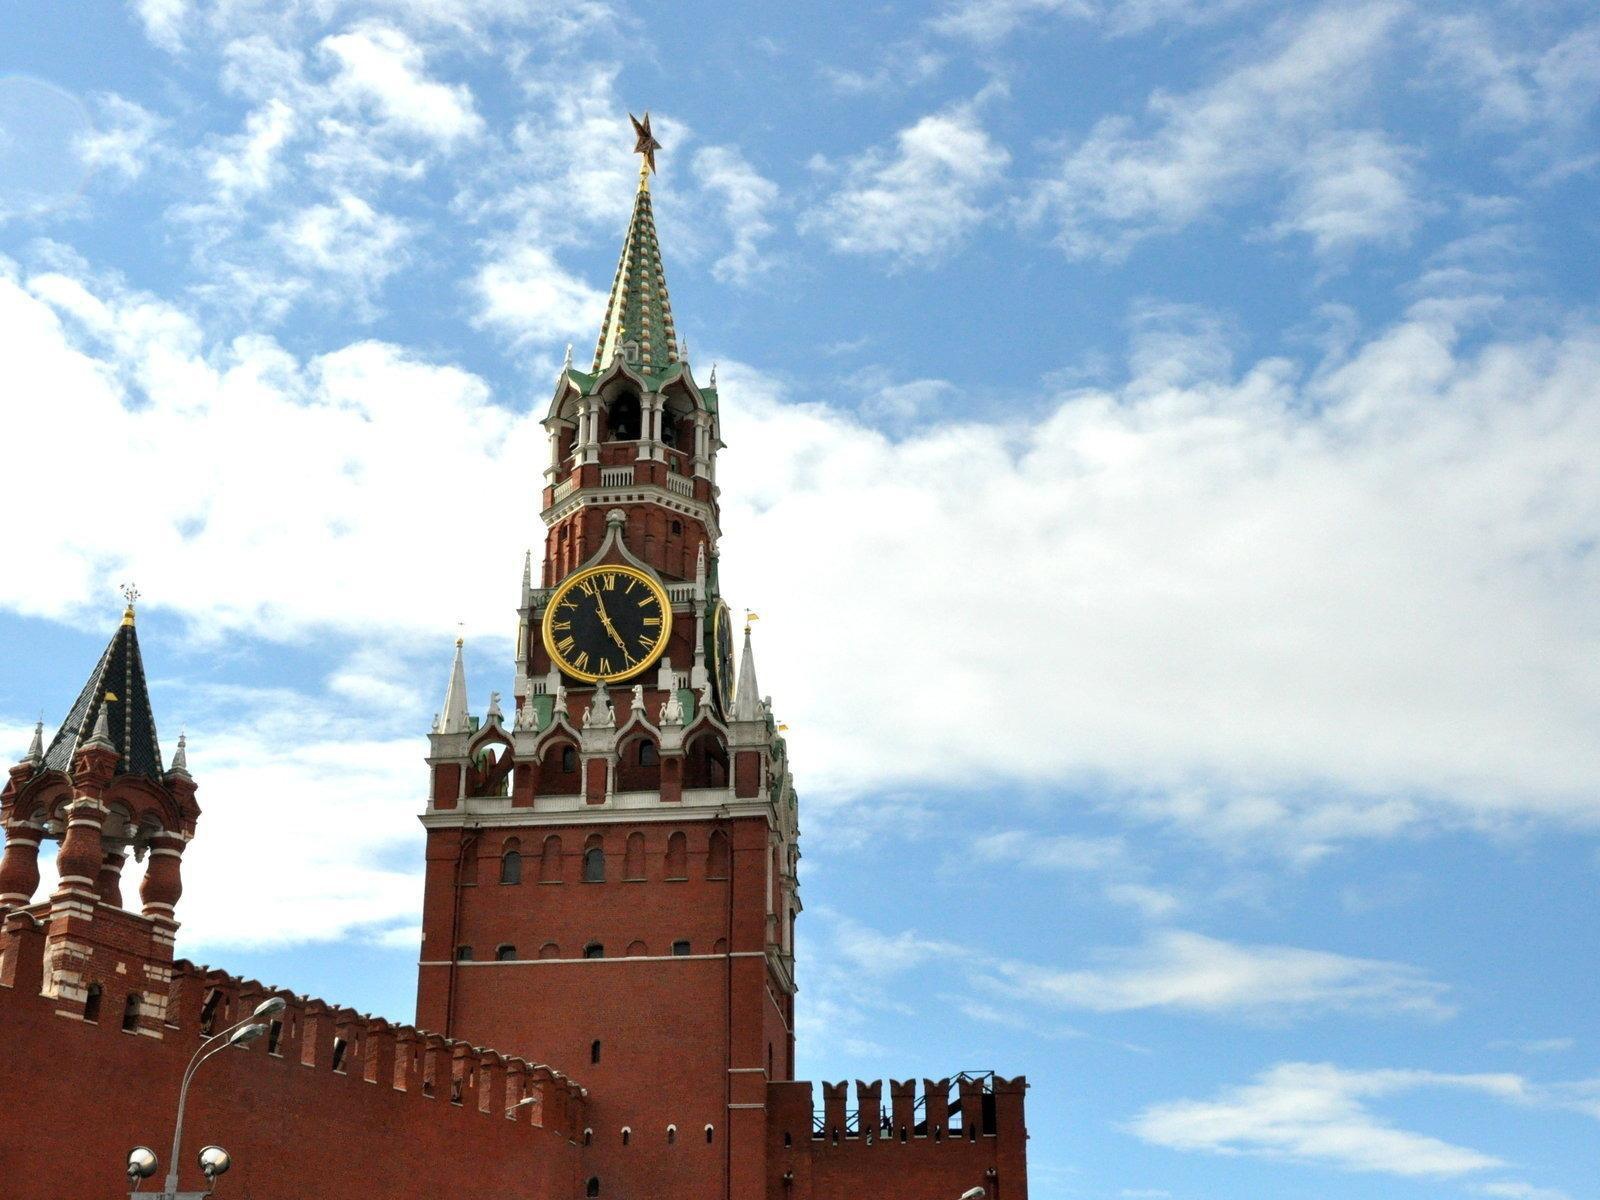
[722, 657]
[607, 623]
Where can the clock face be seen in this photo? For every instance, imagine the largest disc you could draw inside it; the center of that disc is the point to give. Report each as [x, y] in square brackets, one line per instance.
[722, 656]
[607, 623]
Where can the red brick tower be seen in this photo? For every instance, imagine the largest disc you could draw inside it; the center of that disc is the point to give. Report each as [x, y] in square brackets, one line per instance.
[100, 789]
[611, 880]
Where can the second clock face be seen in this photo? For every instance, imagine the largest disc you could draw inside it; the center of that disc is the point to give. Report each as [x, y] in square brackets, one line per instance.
[722, 657]
[607, 623]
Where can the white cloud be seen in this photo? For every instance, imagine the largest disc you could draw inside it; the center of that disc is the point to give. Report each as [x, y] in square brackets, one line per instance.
[123, 137]
[1353, 188]
[527, 294]
[380, 66]
[746, 197]
[163, 21]
[1319, 1113]
[1516, 1190]
[250, 161]
[990, 21]
[347, 239]
[1270, 121]
[1190, 972]
[916, 202]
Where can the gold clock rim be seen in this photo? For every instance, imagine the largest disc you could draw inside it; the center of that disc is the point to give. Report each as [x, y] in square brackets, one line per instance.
[721, 613]
[572, 581]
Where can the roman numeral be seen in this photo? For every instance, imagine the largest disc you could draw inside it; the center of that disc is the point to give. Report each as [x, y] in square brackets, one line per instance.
[582, 661]
[561, 625]
[565, 644]
[587, 587]
[610, 582]
[605, 666]
[652, 620]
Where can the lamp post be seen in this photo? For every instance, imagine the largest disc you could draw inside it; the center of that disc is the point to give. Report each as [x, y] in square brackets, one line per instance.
[523, 1103]
[214, 1160]
[976, 1193]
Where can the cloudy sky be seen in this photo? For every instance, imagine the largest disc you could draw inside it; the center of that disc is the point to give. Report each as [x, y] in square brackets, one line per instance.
[1162, 447]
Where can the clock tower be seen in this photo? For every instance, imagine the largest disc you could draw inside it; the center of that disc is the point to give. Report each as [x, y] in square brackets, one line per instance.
[611, 860]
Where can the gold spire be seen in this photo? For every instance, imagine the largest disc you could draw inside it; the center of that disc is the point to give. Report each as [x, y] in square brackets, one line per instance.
[638, 322]
[645, 144]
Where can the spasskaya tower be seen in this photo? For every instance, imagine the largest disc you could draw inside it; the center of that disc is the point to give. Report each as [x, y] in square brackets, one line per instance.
[611, 883]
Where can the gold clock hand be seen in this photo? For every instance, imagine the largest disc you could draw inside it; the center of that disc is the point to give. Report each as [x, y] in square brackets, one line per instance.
[605, 619]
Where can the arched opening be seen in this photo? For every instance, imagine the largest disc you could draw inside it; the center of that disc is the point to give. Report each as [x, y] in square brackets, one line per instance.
[208, 1012]
[550, 860]
[594, 950]
[593, 1186]
[622, 418]
[463, 953]
[131, 1008]
[705, 763]
[511, 862]
[588, 1137]
[594, 860]
[633, 860]
[677, 857]
[91, 1003]
[594, 1051]
[549, 950]
[711, 1134]
[672, 1135]
[680, 948]
[627, 1135]
[719, 858]
[558, 770]
[639, 766]
[505, 952]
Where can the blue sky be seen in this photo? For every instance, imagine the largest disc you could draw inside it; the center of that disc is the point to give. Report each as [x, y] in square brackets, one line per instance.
[1161, 448]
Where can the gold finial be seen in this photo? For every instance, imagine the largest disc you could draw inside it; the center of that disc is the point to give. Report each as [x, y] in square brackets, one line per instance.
[461, 634]
[644, 143]
[130, 593]
[750, 617]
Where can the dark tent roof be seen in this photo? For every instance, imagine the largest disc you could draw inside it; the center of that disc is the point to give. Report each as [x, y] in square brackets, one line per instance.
[118, 680]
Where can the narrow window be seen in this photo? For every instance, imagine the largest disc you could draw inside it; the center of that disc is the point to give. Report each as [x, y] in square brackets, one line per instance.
[647, 754]
[274, 1036]
[594, 1051]
[594, 1186]
[594, 865]
[677, 857]
[463, 953]
[627, 1135]
[511, 867]
[208, 1012]
[677, 527]
[505, 953]
[594, 950]
[711, 1135]
[338, 1054]
[672, 1135]
[91, 1003]
[130, 1012]
[788, 1140]
[588, 1137]
[569, 760]
[681, 947]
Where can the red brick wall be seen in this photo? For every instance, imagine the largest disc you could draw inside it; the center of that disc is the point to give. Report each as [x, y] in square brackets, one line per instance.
[79, 1096]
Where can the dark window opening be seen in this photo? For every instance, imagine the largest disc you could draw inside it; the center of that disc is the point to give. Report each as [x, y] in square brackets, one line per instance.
[593, 1188]
[91, 1003]
[338, 1054]
[463, 953]
[680, 948]
[594, 865]
[594, 1051]
[627, 1136]
[710, 1135]
[594, 950]
[588, 1137]
[669, 429]
[511, 867]
[505, 953]
[455, 1091]
[672, 1135]
[274, 1036]
[677, 527]
[623, 418]
[569, 760]
[130, 1012]
[647, 754]
[788, 1140]
[208, 1012]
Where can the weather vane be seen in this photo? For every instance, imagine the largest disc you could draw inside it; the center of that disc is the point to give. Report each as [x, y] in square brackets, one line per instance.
[644, 143]
[130, 593]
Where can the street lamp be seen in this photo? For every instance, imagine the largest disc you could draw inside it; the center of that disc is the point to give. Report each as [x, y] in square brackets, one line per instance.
[523, 1103]
[214, 1160]
[976, 1193]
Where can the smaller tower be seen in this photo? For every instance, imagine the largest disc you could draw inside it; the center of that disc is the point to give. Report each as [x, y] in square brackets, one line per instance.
[100, 789]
